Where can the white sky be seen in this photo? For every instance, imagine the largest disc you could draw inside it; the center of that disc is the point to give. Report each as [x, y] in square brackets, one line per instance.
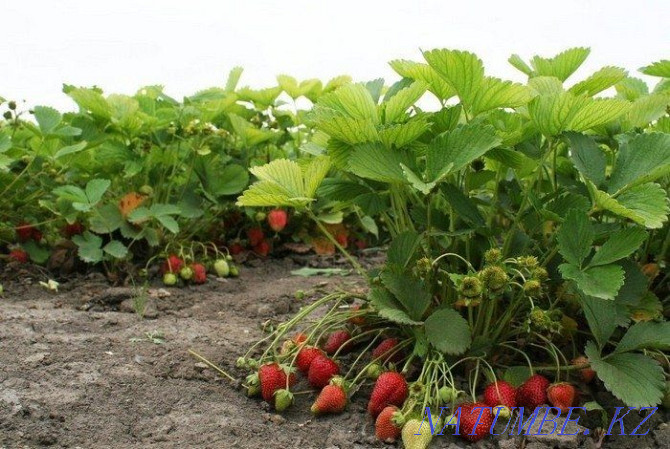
[188, 45]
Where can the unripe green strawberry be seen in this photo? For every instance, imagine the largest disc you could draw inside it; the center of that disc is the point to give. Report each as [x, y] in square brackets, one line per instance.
[221, 267]
[448, 394]
[186, 273]
[410, 438]
[260, 216]
[253, 385]
[283, 399]
[234, 271]
[146, 190]
[169, 279]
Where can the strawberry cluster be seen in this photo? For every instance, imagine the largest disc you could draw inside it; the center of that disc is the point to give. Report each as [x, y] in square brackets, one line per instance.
[174, 268]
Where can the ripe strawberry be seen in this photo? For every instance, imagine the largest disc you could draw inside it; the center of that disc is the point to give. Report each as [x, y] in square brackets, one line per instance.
[385, 427]
[305, 358]
[342, 239]
[277, 219]
[385, 351]
[500, 393]
[72, 229]
[533, 392]
[360, 244]
[19, 255]
[390, 389]
[272, 378]
[255, 236]
[358, 320]
[336, 340]
[173, 264]
[37, 235]
[262, 248]
[25, 231]
[469, 416]
[199, 273]
[235, 248]
[562, 395]
[321, 370]
[587, 373]
[299, 338]
[332, 399]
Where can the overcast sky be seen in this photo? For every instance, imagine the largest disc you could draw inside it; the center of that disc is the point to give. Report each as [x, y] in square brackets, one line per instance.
[187, 45]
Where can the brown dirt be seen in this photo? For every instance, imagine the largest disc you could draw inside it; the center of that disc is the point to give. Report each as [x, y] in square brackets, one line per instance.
[76, 368]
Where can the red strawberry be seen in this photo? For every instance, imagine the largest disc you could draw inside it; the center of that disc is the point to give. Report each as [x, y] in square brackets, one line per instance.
[19, 255]
[336, 340]
[562, 395]
[299, 338]
[262, 248]
[385, 351]
[360, 244]
[358, 320]
[277, 219]
[533, 392]
[470, 414]
[390, 389]
[385, 429]
[305, 358]
[172, 264]
[37, 235]
[255, 236]
[72, 229]
[199, 273]
[332, 399]
[321, 370]
[587, 373]
[25, 231]
[342, 239]
[272, 378]
[235, 248]
[500, 393]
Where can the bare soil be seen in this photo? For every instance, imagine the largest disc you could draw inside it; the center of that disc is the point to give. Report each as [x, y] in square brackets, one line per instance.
[77, 369]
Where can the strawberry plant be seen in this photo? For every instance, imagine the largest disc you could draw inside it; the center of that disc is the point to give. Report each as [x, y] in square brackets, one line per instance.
[529, 227]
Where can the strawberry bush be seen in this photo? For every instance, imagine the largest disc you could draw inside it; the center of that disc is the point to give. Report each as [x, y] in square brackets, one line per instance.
[529, 239]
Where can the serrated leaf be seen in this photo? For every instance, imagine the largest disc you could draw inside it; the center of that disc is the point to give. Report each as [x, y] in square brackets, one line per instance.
[602, 282]
[402, 134]
[587, 156]
[107, 219]
[388, 307]
[47, 118]
[646, 335]
[37, 253]
[643, 158]
[409, 291]
[645, 204]
[495, 93]
[518, 63]
[116, 249]
[463, 206]
[70, 149]
[395, 109]
[373, 161]
[562, 65]
[575, 237]
[620, 244]
[448, 332]
[233, 78]
[659, 68]
[636, 379]
[632, 88]
[459, 147]
[599, 81]
[352, 100]
[645, 110]
[95, 189]
[603, 317]
[91, 101]
[403, 248]
[89, 247]
[426, 74]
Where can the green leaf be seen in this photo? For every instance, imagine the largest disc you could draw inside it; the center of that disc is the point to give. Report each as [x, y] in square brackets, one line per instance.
[352, 100]
[36, 252]
[426, 74]
[587, 156]
[95, 189]
[459, 147]
[47, 118]
[403, 134]
[233, 78]
[463, 206]
[233, 179]
[575, 237]
[409, 291]
[636, 379]
[415, 181]
[463, 70]
[373, 161]
[562, 65]
[403, 249]
[89, 245]
[395, 109]
[603, 317]
[89, 100]
[307, 272]
[599, 81]
[646, 335]
[602, 282]
[388, 307]
[116, 249]
[107, 219]
[645, 110]
[70, 149]
[517, 375]
[641, 159]
[518, 63]
[645, 204]
[495, 93]
[659, 68]
[620, 244]
[448, 331]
